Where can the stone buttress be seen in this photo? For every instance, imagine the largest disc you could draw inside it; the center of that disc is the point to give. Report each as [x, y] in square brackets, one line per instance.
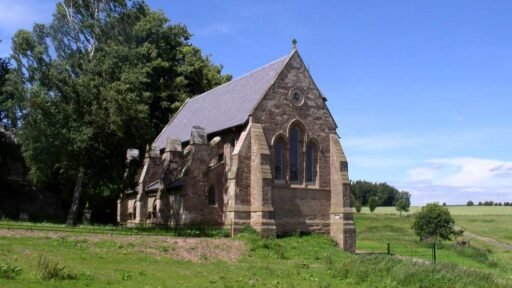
[342, 224]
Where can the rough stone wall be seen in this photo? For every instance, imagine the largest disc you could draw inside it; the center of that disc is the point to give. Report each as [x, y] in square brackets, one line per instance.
[262, 212]
[342, 224]
[299, 209]
[299, 206]
[195, 185]
[216, 179]
[276, 111]
[238, 197]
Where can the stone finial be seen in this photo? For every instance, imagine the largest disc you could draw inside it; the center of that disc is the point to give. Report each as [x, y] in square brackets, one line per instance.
[294, 44]
[132, 154]
[198, 136]
[215, 141]
[173, 144]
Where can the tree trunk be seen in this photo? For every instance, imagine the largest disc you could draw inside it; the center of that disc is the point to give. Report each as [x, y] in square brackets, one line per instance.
[77, 193]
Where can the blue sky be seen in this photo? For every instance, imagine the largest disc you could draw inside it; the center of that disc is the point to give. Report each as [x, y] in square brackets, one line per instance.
[421, 90]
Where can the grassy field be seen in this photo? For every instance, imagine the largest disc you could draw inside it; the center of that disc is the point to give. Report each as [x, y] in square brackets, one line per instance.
[498, 227]
[384, 226]
[454, 210]
[42, 258]
[489, 221]
[375, 231]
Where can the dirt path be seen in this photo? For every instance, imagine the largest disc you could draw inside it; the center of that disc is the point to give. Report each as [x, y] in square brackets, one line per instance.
[485, 239]
[488, 240]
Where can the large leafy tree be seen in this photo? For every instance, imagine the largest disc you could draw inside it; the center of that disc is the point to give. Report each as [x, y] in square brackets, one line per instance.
[103, 76]
[8, 113]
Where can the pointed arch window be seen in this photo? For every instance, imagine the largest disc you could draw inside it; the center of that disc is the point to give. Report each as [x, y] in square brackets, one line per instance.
[278, 160]
[294, 153]
[311, 162]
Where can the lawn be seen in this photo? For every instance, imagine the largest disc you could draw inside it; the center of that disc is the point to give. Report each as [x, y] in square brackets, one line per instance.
[374, 231]
[498, 227]
[103, 259]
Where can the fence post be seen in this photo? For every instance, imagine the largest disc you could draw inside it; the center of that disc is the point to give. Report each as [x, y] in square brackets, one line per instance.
[389, 248]
[232, 228]
[434, 252]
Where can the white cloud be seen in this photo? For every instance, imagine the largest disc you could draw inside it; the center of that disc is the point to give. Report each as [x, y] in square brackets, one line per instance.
[456, 180]
[464, 171]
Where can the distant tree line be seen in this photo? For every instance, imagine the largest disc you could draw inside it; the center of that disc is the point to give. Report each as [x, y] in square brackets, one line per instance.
[366, 193]
[489, 203]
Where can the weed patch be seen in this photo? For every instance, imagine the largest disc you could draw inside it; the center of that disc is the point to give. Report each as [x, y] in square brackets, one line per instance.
[52, 270]
[478, 254]
[9, 270]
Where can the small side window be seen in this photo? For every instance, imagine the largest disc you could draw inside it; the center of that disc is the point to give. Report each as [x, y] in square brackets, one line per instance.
[212, 197]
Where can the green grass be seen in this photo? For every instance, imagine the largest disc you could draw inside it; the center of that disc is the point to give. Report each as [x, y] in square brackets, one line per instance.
[86, 256]
[498, 227]
[374, 231]
[191, 231]
[308, 261]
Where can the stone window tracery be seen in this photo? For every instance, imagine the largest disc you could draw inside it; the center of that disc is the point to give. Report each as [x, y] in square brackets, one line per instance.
[311, 162]
[295, 150]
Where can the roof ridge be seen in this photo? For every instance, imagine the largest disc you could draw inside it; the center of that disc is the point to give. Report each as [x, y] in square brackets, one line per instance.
[240, 77]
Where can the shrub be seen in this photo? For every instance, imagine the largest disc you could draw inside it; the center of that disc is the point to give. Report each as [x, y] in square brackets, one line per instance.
[402, 206]
[9, 270]
[433, 222]
[49, 270]
[358, 206]
[470, 203]
[372, 204]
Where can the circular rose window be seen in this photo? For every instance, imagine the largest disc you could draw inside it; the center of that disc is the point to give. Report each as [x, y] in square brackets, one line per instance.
[297, 97]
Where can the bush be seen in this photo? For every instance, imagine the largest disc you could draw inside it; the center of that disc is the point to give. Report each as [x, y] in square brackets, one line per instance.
[9, 270]
[358, 206]
[372, 204]
[470, 203]
[49, 270]
[402, 206]
[434, 222]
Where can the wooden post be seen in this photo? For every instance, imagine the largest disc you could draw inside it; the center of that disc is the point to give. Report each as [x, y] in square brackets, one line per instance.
[435, 248]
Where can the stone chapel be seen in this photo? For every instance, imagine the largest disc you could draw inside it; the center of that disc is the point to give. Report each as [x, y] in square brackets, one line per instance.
[260, 150]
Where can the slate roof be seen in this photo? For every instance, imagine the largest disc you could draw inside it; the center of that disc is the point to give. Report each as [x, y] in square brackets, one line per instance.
[223, 107]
